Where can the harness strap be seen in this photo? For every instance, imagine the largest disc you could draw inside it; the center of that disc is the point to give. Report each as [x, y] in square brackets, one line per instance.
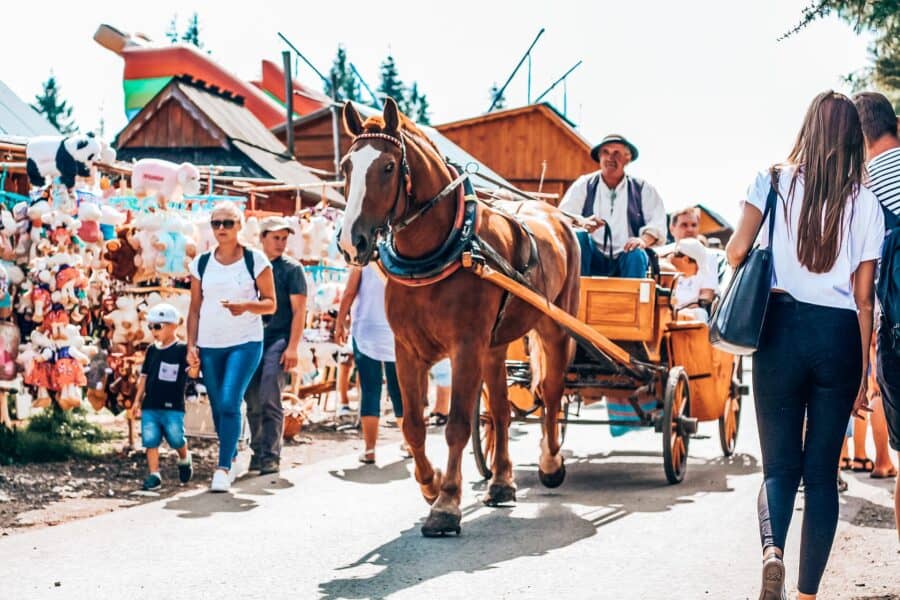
[446, 192]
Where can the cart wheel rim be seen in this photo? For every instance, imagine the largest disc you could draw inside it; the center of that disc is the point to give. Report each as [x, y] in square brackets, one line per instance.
[679, 451]
[675, 442]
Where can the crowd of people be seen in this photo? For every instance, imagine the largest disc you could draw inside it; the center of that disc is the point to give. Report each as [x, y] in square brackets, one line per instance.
[814, 372]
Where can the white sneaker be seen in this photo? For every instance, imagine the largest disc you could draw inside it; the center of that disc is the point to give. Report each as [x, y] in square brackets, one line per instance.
[233, 473]
[221, 481]
[345, 411]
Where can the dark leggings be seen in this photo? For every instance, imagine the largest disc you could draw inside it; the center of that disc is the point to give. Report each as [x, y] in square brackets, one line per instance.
[808, 367]
[370, 372]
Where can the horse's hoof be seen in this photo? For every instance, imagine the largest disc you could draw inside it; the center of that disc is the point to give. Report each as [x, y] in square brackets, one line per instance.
[499, 494]
[439, 523]
[553, 480]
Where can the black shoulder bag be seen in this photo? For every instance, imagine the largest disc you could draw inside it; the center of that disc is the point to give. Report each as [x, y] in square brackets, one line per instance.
[737, 321]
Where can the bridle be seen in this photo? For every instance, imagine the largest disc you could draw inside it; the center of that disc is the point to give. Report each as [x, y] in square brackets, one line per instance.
[399, 218]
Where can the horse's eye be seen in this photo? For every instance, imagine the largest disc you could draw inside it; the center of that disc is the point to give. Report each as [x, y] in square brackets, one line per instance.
[389, 168]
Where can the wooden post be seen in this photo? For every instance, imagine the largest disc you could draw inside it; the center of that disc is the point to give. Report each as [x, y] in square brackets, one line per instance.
[288, 101]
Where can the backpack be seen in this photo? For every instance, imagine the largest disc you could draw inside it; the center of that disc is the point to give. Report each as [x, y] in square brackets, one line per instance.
[203, 261]
[888, 287]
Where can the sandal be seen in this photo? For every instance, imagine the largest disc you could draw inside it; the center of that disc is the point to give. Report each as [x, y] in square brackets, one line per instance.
[889, 474]
[367, 457]
[846, 463]
[842, 484]
[405, 452]
[863, 465]
[438, 419]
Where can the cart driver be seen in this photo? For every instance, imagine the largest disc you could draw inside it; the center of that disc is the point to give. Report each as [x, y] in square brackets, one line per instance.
[630, 207]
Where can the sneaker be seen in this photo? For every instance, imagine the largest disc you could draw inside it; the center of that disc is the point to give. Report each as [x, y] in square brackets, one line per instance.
[186, 469]
[269, 466]
[255, 463]
[220, 481]
[152, 483]
[345, 411]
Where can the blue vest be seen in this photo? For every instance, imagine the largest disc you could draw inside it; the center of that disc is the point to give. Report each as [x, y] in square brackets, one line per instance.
[635, 187]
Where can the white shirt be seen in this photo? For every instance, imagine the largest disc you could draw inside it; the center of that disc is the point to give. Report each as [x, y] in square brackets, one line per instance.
[218, 328]
[368, 321]
[708, 272]
[615, 211]
[863, 232]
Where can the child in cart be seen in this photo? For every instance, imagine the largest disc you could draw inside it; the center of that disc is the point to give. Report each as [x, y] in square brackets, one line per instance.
[159, 401]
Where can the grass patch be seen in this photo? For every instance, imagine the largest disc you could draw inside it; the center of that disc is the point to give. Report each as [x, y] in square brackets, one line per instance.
[51, 436]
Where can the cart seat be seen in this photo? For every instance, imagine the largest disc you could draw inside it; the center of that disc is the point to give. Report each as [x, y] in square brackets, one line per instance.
[619, 308]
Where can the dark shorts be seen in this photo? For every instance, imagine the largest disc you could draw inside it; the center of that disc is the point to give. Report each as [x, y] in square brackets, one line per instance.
[889, 381]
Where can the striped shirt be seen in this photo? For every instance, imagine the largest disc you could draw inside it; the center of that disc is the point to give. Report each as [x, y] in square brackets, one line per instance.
[884, 179]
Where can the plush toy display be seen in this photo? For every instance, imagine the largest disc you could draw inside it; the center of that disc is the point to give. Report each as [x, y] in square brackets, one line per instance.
[120, 255]
[165, 179]
[53, 156]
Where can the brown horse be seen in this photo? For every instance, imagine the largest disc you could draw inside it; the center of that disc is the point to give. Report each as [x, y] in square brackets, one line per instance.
[392, 171]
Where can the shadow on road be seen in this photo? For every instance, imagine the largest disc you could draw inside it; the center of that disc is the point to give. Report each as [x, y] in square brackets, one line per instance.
[374, 474]
[614, 485]
[199, 506]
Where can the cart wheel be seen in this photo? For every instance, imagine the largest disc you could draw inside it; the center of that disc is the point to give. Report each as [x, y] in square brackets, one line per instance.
[483, 435]
[675, 443]
[730, 421]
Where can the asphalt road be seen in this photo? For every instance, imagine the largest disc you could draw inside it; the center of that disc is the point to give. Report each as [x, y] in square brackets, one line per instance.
[336, 529]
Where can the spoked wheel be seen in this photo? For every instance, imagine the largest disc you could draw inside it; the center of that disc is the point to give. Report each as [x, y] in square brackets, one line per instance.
[730, 421]
[483, 438]
[676, 405]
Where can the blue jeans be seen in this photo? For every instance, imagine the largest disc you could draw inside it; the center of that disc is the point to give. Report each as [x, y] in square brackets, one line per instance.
[806, 373]
[159, 423]
[226, 375]
[371, 375]
[594, 261]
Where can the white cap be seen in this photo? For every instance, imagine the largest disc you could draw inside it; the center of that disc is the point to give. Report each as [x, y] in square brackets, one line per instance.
[163, 313]
[275, 223]
[692, 248]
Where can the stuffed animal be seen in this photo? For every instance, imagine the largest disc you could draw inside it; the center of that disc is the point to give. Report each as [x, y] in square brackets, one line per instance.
[40, 376]
[124, 321]
[110, 219]
[62, 229]
[9, 348]
[164, 178]
[59, 156]
[249, 234]
[89, 214]
[120, 255]
[68, 370]
[179, 248]
[70, 280]
[150, 259]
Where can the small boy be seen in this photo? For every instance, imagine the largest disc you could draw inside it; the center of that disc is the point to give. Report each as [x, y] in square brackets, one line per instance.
[159, 401]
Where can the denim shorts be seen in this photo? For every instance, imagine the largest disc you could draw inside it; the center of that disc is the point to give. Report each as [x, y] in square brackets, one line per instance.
[159, 423]
[440, 373]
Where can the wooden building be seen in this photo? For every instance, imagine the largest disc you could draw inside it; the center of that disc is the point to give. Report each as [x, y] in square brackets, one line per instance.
[526, 145]
[315, 135]
[188, 121]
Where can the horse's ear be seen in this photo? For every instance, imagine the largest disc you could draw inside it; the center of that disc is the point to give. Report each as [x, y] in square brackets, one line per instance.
[352, 121]
[391, 116]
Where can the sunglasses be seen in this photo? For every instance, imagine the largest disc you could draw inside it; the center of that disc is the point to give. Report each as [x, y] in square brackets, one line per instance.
[223, 224]
[683, 255]
[156, 326]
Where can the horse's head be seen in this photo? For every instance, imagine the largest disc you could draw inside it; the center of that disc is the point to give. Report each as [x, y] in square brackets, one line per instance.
[375, 180]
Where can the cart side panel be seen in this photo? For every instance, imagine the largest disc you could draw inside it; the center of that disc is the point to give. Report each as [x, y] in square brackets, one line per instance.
[689, 347]
[621, 309]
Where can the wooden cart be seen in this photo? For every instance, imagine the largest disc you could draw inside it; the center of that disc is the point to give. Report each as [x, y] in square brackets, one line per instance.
[632, 350]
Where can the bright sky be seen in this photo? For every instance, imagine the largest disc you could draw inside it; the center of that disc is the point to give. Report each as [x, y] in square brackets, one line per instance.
[700, 86]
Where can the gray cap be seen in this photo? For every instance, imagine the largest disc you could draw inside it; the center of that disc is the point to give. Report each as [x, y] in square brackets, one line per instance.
[163, 313]
[275, 224]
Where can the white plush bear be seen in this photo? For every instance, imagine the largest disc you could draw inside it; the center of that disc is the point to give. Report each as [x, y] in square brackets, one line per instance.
[124, 320]
[53, 156]
[147, 234]
[164, 178]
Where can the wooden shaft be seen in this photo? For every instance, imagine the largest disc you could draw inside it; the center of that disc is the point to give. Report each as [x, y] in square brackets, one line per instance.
[568, 321]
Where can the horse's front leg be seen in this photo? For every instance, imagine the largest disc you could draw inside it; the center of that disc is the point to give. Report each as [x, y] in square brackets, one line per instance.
[501, 490]
[412, 375]
[445, 514]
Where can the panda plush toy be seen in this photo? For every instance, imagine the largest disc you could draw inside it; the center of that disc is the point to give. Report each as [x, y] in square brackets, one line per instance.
[64, 157]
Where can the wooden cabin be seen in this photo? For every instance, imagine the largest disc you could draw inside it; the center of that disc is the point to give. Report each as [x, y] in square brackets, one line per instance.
[526, 145]
[188, 121]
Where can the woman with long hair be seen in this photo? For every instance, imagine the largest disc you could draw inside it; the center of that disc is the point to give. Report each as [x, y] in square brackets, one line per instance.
[809, 369]
[231, 288]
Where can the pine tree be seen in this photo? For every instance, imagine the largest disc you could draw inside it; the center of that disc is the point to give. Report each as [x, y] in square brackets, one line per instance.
[191, 35]
[501, 101]
[391, 85]
[57, 110]
[416, 105]
[343, 78]
[172, 31]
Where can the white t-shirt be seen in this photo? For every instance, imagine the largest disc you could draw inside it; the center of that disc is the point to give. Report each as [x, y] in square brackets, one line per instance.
[863, 232]
[218, 328]
[368, 321]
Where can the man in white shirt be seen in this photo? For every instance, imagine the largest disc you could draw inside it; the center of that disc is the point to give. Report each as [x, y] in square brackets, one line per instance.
[622, 214]
[684, 224]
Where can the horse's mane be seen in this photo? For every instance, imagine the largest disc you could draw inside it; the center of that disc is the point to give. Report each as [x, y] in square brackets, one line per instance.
[375, 124]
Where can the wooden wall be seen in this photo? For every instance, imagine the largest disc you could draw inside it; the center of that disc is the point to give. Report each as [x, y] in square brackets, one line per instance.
[173, 127]
[515, 146]
[314, 145]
